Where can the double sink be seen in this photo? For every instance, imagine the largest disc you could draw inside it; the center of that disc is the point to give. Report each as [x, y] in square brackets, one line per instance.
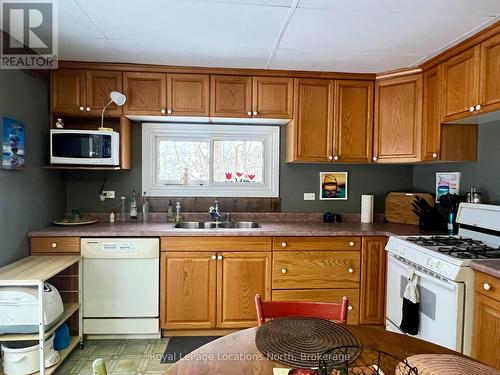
[216, 225]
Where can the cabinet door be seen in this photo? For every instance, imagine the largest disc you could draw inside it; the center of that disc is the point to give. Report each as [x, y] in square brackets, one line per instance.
[431, 120]
[490, 74]
[461, 84]
[68, 91]
[353, 121]
[486, 338]
[313, 127]
[99, 83]
[146, 93]
[188, 94]
[241, 275]
[230, 96]
[373, 262]
[272, 97]
[323, 295]
[398, 119]
[187, 290]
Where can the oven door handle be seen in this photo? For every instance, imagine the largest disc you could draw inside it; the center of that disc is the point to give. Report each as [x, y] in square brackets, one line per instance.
[448, 285]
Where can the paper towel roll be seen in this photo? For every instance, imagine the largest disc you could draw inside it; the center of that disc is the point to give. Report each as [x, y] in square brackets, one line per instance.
[367, 208]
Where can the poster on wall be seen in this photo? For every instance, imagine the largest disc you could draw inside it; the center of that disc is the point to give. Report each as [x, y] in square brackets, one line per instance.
[333, 185]
[447, 182]
[13, 144]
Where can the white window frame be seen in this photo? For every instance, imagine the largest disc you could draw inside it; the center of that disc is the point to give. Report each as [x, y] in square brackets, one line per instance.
[269, 134]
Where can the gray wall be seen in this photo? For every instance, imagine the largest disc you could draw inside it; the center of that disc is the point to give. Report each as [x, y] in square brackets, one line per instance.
[30, 198]
[485, 174]
[295, 179]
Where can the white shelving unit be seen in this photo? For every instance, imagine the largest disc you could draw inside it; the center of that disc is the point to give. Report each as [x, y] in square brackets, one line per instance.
[34, 271]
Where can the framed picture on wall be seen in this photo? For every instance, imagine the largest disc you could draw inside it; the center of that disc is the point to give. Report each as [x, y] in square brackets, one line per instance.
[13, 144]
[447, 183]
[333, 185]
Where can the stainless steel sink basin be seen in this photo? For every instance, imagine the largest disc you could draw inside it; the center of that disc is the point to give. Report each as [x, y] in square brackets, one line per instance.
[239, 225]
[213, 225]
[195, 225]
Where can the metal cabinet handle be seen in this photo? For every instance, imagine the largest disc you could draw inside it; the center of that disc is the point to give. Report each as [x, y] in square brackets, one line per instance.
[478, 107]
[219, 257]
[351, 270]
[349, 308]
[163, 111]
[169, 111]
[53, 244]
[486, 286]
[283, 244]
[213, 257]
[283, 270]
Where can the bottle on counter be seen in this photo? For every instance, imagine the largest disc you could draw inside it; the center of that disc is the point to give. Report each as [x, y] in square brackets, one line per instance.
[170, 212]
[112, 216]
[145, 208]
[178, 215]
[133, 207]
[123, 209]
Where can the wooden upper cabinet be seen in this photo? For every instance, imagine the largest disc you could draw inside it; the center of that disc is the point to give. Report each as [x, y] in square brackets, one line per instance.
[241, 275]
[460, 84]
[187, 290]
[311, 138]
[99, 84]
[68, 91]
[431, 119]
[490, 74]
[188, 94]
[398, 119]
[231, 96]
[272, 97]
[373, 261]
[146, 93]
[353, 121]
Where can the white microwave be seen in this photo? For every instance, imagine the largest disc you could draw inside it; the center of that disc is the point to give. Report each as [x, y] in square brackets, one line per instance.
[84, 147]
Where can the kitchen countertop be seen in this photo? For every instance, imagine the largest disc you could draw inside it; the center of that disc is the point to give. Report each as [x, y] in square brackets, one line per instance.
[490, 267]
[158, 229]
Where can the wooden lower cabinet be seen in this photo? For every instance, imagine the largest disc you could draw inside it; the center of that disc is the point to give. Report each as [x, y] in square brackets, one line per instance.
[323, 295]
[187, 290]
[373, 279]
[241, 275]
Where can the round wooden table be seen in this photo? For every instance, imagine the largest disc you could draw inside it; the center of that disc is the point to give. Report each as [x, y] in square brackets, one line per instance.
[237, 354]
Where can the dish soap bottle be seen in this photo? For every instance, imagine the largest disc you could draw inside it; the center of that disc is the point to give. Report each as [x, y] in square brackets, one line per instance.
[178, 216]
[145, 208]
[133, 207]
[170, 212]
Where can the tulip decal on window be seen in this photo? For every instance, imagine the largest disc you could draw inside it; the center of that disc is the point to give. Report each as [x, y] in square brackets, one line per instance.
[240, 177]
[229, 176]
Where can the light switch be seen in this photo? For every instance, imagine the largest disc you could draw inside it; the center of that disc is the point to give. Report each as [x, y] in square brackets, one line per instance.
[309, 196]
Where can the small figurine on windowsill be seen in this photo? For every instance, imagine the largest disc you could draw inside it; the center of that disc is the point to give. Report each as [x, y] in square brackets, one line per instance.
[185, 177]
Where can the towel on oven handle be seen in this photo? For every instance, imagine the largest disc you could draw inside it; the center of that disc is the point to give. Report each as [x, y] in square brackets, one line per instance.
[411, 301]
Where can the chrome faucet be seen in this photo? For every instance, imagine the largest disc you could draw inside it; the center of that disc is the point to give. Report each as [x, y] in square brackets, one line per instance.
[215, 212]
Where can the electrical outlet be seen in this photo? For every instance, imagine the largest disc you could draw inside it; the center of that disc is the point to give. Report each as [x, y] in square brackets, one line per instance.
[309, 196]
[108, 194]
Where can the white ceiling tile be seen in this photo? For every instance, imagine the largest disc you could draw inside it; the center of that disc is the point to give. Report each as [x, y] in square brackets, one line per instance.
[330, 30]
[192, 54]
[74, 21]
[187, 22]
[276, 3]
[457, 7]
[340, 62]
[87, 49]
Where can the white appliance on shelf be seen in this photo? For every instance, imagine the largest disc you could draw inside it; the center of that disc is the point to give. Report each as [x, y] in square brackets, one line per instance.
[121, 286]
[446, 281]
[84, 147]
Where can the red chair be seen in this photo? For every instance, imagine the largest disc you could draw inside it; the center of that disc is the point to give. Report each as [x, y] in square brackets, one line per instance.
[276, 309]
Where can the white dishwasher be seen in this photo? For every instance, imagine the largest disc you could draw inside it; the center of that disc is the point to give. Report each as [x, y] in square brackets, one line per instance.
[121, 286]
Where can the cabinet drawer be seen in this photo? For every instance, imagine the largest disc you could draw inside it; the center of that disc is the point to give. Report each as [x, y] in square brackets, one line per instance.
[323, 295]
[488, 285]
[55, 245]
[316, 243]
[233, 243]
[316, 269]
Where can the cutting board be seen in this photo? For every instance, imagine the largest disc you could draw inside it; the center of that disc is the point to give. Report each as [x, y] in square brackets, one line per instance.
[398, 208]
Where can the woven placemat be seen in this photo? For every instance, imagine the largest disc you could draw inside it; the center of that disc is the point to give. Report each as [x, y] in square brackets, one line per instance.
[300, 341]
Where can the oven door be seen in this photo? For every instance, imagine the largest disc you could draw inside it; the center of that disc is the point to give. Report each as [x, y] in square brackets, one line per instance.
[441, 304]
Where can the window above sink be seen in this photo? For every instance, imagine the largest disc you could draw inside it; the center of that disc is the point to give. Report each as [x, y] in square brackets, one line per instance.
[208, 160]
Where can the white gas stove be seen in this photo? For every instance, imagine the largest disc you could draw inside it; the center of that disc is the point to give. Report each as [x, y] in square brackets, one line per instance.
[446, 282]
